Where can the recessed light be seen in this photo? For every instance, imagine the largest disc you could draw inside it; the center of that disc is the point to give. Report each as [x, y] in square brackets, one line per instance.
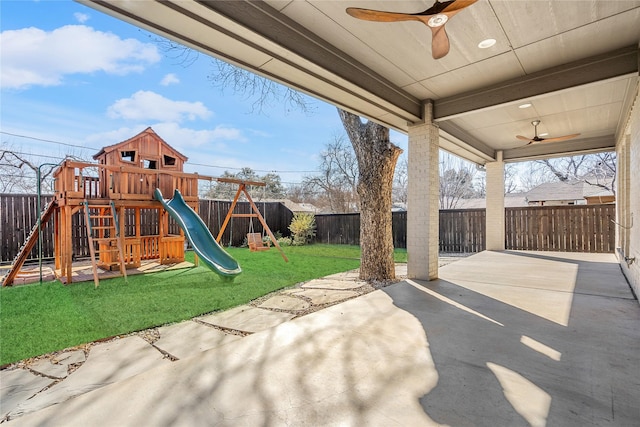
[484, 44]
[543, 134]
[527, 105]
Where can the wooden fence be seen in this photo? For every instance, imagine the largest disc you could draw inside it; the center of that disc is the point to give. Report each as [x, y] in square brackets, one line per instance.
[577, 228]
[344, 229]
[18, 215]
[462, 230]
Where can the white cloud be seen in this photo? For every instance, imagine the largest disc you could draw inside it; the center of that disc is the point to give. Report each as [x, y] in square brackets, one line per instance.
[170, 79]
[146, 105]
[260, 133]
[204, 139]
[186, 139]
[81, 17]
[31, 56]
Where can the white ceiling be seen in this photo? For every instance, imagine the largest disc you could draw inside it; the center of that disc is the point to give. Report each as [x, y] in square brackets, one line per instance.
[576, 62]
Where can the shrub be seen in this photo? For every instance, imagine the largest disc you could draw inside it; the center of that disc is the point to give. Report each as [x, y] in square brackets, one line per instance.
[303, 228]
[284, 241]
[267, 239]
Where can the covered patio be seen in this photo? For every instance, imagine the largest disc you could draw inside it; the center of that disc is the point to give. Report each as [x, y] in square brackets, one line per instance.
[572, 65]
[500, 339]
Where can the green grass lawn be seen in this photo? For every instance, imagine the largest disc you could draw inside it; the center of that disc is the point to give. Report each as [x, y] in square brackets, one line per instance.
[41, 318]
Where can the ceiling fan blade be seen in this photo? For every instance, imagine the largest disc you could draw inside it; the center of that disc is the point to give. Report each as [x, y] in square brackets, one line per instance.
[559, 138]
[524, 138]
[435, 18]
[439, 43]
[458, 5]
[380, 16]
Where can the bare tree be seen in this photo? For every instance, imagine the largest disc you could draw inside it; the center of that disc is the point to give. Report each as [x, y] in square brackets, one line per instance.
[375, 153]
[18, 172]
[377, 157]
[263, 92]
[301, 193]
[456, 180]
[337, 177]
[226, 190]
[510, 178]
[401, 181]
[595, 169]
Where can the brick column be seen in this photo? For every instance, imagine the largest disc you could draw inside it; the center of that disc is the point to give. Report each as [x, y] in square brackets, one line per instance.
[423, 203]
[495, 204]
[623, 182]
[632, 269]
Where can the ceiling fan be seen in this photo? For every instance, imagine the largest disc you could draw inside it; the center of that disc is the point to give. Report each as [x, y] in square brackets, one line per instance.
[435, 18]
[537, 139]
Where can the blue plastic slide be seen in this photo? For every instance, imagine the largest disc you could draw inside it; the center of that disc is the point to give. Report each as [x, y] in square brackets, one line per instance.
[199, 235]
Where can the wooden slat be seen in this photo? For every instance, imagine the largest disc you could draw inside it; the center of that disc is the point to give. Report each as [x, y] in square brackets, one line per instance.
[460, 230]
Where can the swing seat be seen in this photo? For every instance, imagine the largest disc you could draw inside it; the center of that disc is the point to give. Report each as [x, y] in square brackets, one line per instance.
[256, 243]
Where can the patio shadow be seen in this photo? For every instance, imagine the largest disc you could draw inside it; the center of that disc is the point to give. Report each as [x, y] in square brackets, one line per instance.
[500, 364]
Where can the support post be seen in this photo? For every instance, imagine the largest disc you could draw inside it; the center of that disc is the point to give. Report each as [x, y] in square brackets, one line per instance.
[495, 220]
[423, 205]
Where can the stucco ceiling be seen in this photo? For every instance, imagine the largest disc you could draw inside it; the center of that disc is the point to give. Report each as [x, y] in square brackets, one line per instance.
[576, 62]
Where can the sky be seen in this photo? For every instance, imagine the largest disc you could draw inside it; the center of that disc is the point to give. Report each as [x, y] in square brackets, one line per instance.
[74, 80]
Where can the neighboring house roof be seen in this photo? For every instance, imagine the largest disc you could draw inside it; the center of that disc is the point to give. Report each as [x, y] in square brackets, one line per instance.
[591, 190]
[550, 191]
[511, 200]
[291, 205]
[556, 191]
[576, 190]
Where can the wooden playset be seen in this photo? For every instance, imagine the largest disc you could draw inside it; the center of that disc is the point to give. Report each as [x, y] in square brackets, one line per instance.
[121, 186]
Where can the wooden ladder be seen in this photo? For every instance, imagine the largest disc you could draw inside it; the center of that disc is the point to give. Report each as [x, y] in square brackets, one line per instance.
[103, 230]
[29, 244]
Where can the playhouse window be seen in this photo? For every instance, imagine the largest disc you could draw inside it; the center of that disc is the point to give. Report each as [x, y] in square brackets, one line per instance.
[168, 160]
[150, 164]
[128, 156]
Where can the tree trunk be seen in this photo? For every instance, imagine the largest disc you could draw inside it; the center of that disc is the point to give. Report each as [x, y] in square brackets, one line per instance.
[377, 158]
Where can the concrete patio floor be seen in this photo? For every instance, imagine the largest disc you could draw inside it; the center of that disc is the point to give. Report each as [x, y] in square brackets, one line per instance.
[501, 339]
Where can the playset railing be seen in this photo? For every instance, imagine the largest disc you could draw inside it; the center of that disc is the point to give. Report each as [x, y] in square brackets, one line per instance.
[166, 250]
[79, 180]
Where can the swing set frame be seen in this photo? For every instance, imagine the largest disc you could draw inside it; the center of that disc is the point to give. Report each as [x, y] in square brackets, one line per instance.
[242, 188]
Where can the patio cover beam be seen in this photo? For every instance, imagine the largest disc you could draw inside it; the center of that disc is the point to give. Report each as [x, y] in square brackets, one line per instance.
[622, 62]
[561, 149]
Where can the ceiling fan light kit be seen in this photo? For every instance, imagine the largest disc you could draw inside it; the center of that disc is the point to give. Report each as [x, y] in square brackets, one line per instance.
[437, 21]
[435, 18]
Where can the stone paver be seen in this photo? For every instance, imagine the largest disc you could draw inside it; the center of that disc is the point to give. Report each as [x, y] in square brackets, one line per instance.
[285, 302]
[333, 284]
[107, 363]
[323, 296]
[247, 319]
[189, 338]
[18, 385]
[69, 357]
[45, 367]
[58, 365]
[347, 275]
